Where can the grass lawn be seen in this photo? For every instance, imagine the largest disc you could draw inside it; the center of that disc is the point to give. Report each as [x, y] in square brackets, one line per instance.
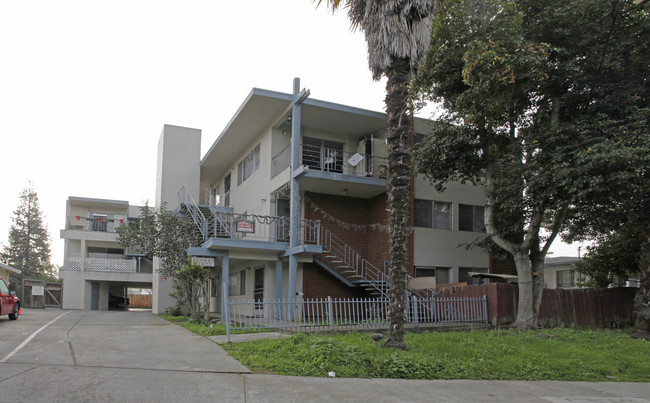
[550, 354]
[197, 327]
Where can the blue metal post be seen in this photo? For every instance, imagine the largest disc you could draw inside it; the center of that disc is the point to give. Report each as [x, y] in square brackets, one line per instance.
[278, 286]
[225, 275]
[294, 218]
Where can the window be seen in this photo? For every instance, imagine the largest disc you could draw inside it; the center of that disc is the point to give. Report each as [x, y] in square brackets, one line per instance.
[441, 215]
[565, 278]
[248, 165]
[430, 214]
[237, 283]
[463, 275]
[471, 218]
[422, 213]
[440, 273]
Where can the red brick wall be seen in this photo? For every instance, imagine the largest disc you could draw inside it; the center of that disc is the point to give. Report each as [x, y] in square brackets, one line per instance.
[372, 244]
[318, 283]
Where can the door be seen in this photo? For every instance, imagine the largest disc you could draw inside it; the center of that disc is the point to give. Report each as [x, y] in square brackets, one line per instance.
[226, 191]
[258, 291]
[94, 296]
[6, 300]
[284, 211]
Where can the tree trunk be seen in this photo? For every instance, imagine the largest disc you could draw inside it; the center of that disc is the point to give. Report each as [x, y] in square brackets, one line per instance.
[526, 317]
[206, 300]
[642, 298]
[399, 178]
[537, 262]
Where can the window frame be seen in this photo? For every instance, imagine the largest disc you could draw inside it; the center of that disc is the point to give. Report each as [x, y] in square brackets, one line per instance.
[248, 165]
[237, 284]
[428, 219]
[477, 225]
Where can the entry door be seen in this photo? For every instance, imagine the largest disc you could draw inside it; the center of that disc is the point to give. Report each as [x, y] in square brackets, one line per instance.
[283, 210]
[226, 191]
[94, 296]
[258, 291]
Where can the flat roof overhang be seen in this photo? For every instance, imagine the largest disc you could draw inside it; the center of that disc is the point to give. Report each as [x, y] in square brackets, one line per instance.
[97, 203]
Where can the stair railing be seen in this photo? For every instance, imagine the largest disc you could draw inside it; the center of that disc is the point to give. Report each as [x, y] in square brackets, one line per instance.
[184, 198]
[362, 268]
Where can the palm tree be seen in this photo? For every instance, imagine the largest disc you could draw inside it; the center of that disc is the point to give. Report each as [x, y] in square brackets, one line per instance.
[397, 33]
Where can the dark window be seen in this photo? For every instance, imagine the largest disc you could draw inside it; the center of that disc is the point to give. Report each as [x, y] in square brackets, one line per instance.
[428, 214]
[463, 275]
[565, 278]
[471, 218]
[440, 273]
[422, 213]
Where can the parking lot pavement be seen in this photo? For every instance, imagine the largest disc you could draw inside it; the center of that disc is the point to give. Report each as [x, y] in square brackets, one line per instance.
[116, 339]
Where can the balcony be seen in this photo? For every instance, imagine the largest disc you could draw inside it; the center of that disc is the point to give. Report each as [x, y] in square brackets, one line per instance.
[335, 171]
[96, 224]
[95, 264]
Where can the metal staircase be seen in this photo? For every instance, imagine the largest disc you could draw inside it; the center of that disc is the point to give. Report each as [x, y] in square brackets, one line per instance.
[337, 255]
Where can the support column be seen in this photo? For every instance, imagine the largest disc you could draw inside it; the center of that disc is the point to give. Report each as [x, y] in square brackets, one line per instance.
[278, 279]
[225, 275]
[83, 253]
[294, 218]
[278, 288]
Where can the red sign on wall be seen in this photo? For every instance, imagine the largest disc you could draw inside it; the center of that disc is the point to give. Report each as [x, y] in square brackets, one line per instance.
[246, 226]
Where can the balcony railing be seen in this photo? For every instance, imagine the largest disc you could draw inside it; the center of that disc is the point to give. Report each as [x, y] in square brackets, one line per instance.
[97, 224]
[74, 263]
[333, 160]
[248, 226]
[281, 161]
[343, 162]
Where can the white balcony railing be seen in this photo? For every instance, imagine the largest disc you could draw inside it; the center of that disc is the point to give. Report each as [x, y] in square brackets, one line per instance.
[73, 263]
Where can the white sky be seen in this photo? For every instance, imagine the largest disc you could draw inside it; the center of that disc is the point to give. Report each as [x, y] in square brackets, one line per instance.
[86, 86]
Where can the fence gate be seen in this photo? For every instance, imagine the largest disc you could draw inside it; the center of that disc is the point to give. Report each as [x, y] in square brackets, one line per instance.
[41, 294]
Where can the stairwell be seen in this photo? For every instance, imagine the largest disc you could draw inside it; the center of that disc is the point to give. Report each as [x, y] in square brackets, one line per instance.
[337, 256]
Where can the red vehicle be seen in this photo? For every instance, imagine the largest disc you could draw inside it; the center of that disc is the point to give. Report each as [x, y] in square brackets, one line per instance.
[9, 303]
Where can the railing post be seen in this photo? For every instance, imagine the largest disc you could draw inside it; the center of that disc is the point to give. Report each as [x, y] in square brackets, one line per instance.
[331, 312]
[415, 310]
[318, 232]
[225, 312]
[485, 313]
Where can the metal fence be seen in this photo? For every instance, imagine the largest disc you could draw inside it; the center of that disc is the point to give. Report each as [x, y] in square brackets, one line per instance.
[340, 314]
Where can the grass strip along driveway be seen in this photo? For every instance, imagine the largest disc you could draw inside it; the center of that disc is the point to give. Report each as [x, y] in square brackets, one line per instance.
[548, 354]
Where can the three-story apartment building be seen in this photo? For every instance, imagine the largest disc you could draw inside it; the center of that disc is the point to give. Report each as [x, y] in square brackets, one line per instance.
[318, 228]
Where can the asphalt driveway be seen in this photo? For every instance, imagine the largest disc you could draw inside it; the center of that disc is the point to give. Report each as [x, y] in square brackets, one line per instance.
[110, 339]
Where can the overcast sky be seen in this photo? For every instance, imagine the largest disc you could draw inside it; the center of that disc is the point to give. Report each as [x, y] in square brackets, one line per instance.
[86, 86]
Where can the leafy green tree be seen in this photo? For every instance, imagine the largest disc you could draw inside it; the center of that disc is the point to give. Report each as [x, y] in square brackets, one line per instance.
[397, 33]
[29, 242]
[543, 102]
[191, 283]
[164, 234]
[612, 260]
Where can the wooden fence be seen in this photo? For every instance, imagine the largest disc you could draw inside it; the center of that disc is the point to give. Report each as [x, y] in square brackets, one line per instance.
[584, 308]
[140, 301]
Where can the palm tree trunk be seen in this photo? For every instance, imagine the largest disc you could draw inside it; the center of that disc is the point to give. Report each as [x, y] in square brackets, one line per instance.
[399, 178]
